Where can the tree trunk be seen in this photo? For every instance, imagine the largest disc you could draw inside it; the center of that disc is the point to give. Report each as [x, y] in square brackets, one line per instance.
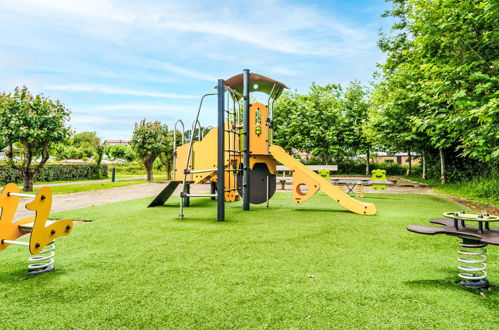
[368, 156]
[409, 160]
[148, 162]
[28, 181]
[443, 176]
[423, 164]
[168, 170]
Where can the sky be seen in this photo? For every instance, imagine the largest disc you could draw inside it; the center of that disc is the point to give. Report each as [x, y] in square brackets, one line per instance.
[115, 62]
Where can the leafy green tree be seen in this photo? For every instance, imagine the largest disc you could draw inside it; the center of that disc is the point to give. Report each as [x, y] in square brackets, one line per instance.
[37, 123]
[149, 140]
[87, 139]
[311, 122]
[355, 106]
[116, 151]
[442, 59]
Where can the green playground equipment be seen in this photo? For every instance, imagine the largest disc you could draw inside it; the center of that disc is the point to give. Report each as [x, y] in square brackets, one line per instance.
[325, 174]
[378, 175]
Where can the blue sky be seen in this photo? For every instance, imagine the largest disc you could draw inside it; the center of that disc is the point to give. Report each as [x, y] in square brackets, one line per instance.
[115, 62]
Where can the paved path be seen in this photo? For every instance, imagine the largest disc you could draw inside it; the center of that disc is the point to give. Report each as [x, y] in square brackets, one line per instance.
[104, 196]
[80, 182]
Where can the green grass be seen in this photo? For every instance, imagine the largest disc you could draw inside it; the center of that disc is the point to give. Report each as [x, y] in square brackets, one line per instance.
[479, 189]
[140, 268]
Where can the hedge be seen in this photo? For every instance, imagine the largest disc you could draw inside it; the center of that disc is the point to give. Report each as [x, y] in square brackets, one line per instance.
[56, 172]
[359, 168]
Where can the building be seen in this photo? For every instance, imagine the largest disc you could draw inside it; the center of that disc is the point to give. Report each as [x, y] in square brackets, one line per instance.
[116, 142]
[399, 158]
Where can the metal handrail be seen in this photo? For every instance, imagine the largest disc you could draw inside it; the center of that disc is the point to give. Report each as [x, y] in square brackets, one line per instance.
[189, 152]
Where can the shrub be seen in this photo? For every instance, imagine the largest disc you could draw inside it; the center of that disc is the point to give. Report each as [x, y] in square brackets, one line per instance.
[56, 172]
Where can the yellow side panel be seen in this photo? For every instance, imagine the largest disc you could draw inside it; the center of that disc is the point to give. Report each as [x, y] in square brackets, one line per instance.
[204, 156]
[268, 160]
[42, 234]
[180, 162]
[9, 204]
[300, 179]
[302, 172]
[258, 129]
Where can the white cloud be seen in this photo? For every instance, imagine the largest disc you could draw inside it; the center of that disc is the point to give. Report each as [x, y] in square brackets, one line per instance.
[285, 26]
[182, 71]
[117, 91]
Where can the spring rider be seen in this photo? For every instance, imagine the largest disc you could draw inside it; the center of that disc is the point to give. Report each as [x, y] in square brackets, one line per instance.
[43, 232]
[473, 245]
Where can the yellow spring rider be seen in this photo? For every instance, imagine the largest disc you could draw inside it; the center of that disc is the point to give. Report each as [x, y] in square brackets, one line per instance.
[43, 232]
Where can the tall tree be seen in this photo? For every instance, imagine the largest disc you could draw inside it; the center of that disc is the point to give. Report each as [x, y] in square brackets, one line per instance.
[311, 122]
[36, 123]
[442, 59]
[149, 140]
[354, 110]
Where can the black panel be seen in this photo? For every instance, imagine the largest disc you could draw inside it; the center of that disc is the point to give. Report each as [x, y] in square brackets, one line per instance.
[164, 194]
[258, 183]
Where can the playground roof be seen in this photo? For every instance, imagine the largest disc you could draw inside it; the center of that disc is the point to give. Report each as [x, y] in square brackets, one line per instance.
[259, 83]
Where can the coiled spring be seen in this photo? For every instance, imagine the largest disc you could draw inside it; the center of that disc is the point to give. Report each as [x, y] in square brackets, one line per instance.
[43, 261]
[473, 256]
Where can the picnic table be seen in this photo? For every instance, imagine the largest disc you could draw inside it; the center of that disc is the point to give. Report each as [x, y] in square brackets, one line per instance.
[351, 182]
[285, 179]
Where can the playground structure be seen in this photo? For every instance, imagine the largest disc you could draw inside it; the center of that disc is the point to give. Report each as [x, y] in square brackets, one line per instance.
[43, 231]
[378, 175]
[475, 238]
[238, 157]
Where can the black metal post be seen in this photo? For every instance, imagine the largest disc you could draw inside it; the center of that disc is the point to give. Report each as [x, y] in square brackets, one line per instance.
[213, 189]
[187, 199]
[221, 151]
[113, 174]
[246, 119]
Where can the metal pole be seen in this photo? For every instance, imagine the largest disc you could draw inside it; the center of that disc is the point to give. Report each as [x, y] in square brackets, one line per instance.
[221, 152]
[113, 174]
[246, 173]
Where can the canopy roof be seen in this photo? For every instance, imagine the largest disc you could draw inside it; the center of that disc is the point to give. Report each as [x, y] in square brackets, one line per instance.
[258, 83]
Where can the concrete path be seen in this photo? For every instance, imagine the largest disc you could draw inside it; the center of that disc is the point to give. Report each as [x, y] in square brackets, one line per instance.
[104, 196]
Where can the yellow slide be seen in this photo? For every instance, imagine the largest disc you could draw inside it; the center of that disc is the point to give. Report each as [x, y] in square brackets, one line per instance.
[303, 176]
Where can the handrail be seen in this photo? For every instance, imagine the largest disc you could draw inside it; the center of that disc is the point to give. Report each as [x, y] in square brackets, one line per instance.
[189, 152]
[175, 142]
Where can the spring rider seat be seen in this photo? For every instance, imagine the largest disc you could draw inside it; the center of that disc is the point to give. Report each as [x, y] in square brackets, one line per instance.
[473, 245]
[43, 232]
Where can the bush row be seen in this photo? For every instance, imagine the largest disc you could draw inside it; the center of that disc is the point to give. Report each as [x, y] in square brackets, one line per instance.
[356, 167]
[56, 172]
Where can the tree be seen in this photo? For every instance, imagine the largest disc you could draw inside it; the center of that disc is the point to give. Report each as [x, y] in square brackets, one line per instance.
[98, 155]
[87, 142]
[119, 152]
[149, 140]
[37, 123]
[442, 59]
[311, 122]
[87, 139]
[354, 110]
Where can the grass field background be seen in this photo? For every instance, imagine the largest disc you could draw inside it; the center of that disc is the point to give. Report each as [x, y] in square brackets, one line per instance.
[308, 266]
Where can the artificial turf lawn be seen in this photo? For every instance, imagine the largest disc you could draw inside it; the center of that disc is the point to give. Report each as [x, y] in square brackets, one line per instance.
[135, 267]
